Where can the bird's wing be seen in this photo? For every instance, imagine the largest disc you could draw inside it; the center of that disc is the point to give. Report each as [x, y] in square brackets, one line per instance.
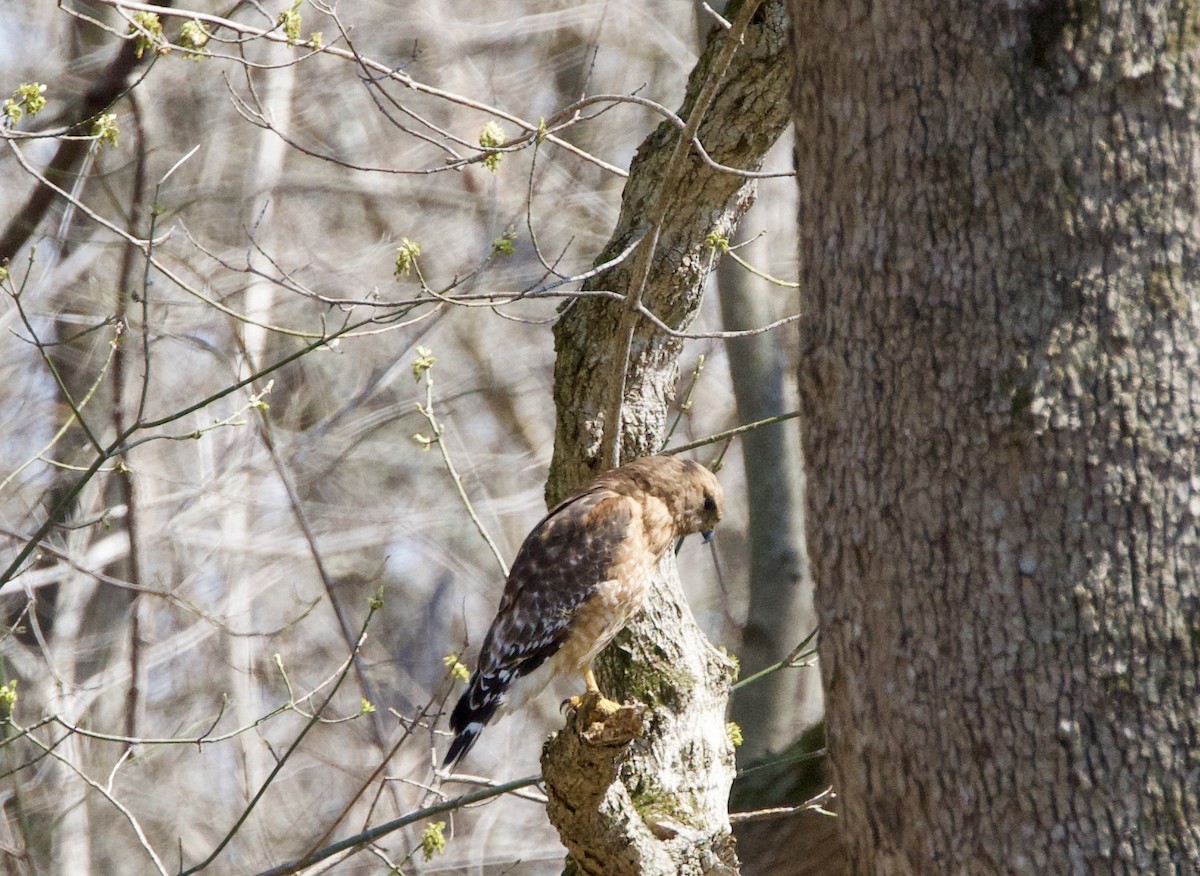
[558, 567]
[563, 560]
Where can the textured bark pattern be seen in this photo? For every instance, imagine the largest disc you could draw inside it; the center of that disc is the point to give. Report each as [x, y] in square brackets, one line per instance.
[998, 234]
[586, 801]
[582, 800]
[677, 777]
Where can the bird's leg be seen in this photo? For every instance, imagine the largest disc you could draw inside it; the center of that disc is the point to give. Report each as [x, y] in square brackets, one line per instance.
[596, 707]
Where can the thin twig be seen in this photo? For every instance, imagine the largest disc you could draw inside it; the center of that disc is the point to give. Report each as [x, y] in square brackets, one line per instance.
[76, 409]
[368, 836]
[438, 438]
[107, 795]
[143, 245]
[721, 19]
[796, 658]
[786, 760]
[686, 404]
[732, 433]
[286, 756]
[742, 333]
[763, 275]
[813, 804]
[62, 430]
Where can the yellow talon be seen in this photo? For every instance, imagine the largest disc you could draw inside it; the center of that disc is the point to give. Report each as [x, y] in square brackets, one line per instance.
[594, 705]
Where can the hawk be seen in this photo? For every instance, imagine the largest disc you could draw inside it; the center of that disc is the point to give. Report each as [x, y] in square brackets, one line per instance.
[579, 577]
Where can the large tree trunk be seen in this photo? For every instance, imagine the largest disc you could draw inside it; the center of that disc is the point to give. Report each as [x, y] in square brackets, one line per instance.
[663, 808]
[1001, 352]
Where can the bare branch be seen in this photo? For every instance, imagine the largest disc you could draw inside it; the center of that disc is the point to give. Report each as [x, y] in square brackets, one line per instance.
[368, 836]
[817, 803]
[731, 433]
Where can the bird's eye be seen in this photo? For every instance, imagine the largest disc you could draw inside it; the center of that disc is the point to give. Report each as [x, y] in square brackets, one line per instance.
[710, 504]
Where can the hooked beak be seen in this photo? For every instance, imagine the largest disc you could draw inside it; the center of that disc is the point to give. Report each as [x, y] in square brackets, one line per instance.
[708, 535]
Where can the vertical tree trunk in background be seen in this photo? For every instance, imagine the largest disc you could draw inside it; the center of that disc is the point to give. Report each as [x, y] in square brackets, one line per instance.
[998, 225]
[243, 586]
[773, 711]
[667, 812]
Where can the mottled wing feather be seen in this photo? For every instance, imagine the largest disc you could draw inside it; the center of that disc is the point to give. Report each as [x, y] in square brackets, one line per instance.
[558, 567]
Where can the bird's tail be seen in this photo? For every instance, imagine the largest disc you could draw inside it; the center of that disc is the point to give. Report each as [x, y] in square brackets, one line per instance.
[475, 708]
[485, 694]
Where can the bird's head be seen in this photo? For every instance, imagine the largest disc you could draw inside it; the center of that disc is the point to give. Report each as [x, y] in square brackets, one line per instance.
[707, 501]
[690, 490]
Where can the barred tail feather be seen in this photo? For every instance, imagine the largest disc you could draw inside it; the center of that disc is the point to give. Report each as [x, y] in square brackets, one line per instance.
[475, 708]
[485, 694]
[462, 742]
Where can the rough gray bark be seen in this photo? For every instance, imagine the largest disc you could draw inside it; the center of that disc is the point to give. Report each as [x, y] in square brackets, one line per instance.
[676, 778]
[998, 233]
[772, 711]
